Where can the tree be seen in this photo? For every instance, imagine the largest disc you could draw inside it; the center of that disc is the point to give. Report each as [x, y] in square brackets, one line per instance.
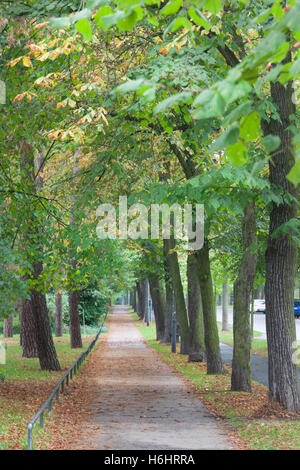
[195, 313]
[58, 314]
[241, 362]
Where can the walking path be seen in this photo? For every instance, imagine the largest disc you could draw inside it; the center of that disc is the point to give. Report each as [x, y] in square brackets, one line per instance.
[259, 364]
[142, 403]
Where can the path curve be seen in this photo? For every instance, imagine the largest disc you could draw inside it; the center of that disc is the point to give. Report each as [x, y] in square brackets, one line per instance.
[141, 403]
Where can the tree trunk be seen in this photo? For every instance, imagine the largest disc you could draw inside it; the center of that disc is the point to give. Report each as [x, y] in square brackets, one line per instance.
[169, 300]
[195, 313]
[74, 325]
[133, 299]
[139, 299]
[157, 295]
[58, 314]
[31, 238]
[241, 363]
[213, 354]
[225, 306]
[182, 315]
[144, 300]
[8, 327]
[46, 350]
[281, 259]
[27, 330]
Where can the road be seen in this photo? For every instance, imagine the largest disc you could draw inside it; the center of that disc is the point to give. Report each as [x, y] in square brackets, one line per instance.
[259, 322]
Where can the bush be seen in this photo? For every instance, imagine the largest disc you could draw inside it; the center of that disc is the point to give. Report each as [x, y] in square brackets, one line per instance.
[91, 305]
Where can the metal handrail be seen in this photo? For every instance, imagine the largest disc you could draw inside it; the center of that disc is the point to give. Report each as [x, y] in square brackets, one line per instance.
[60, 386]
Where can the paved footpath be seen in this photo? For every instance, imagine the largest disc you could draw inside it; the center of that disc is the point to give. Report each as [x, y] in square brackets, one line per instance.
[142, 403]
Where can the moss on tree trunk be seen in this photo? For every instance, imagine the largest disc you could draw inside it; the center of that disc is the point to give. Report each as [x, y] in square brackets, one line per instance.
[241, 363]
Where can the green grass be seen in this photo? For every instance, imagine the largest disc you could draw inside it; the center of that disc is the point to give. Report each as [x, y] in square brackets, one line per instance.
[259, 346]
[239, 411]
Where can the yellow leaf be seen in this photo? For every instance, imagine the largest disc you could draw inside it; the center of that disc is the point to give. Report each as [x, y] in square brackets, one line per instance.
[27, 62]
[41, 25]
[13, 62]
[19, 97]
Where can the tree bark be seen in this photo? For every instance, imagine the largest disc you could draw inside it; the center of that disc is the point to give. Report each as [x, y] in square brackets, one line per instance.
[133, 299]
[8, 327]
[27, 330]
[213, 354]
[225, 306]
[181, 310]
[46, 350]
[58, 314]
[281, 259]
[168, 301]
[241, 363]
[157, 295]
[144, 300]
[74, 325]
[195, 313]
[139, 299]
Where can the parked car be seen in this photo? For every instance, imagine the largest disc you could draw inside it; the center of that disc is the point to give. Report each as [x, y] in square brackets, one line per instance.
[259, 305]
[297, 308]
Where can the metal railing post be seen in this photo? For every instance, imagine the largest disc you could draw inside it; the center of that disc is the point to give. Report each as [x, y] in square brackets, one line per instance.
[29, 446]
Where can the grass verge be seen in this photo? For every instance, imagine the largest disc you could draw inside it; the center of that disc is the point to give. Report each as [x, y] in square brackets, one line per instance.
[252, 422]
[26, 388]
[259, 346]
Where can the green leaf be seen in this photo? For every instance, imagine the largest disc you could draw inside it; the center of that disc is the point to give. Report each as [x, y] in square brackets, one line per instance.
[129, 21]
[171, 7]
[236, 153]
[104, 11]
[280, 53]
[268, 47]
[83, 26]
[229, 137]
[130, 85]
[271, 143]
[214, 6]
[173, 100]
[181, 22]
[85, 13]
[292, 19]
[294, 175]
[277, 10]
[111, 20]
[152, 20]
[59, 23]
[92, 4]
[209, 104]
[250, 127]
[241, 110]
[295, 69]
[198, 18]
[231, 91]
